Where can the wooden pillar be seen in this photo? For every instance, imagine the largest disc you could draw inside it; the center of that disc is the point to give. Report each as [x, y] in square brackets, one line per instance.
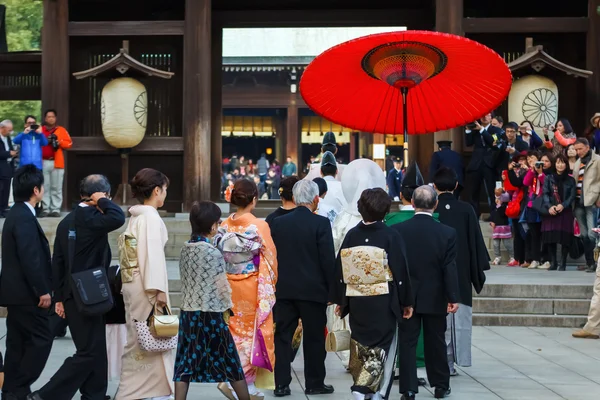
[592, 59]
[280, 137]
[448, 19]
[292, 141]
[55, 59]
[197, 101]
[353, 145]
[216, 144]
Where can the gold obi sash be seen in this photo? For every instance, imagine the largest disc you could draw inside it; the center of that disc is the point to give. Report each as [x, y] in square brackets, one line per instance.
[127, 244]
[365, 271]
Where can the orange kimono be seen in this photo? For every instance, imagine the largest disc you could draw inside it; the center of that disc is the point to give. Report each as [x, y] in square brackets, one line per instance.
[253, 295]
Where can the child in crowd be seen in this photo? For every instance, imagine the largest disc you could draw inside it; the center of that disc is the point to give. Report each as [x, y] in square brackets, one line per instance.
[501, 228]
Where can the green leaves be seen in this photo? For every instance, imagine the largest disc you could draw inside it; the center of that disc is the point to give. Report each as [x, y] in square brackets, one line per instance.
[23, 24]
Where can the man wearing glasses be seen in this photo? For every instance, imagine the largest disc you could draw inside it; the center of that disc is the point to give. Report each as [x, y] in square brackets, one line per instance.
[7, 164]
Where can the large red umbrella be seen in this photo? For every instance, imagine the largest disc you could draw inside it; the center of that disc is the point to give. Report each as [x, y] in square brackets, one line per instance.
[409, 82]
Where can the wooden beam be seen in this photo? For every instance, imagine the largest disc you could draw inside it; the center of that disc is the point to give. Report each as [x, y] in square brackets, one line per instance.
[158, 145]
[55, 59]
[413, 19]
[258, 98]
[449, 19]
[292, 143]
[126, 28]
[592, 59]
[197, 102]
[216, 100]
[526, 25]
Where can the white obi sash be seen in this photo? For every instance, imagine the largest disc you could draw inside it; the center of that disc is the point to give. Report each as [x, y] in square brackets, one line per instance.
[365, 271]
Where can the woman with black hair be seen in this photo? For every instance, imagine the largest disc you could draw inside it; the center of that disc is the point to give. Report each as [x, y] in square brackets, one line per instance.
[557, 227]
[563, 137]
[287, 199]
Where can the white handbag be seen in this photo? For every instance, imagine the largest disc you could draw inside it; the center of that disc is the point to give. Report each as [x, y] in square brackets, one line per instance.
[338, 340]
[150, 343]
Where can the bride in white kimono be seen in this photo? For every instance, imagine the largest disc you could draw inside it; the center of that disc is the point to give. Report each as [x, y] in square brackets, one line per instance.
[146, 375]
[359, 175]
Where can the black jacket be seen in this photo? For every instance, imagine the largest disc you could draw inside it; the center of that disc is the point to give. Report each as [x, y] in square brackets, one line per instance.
[504, 156]
[26, 268]
[450, 159]
[305, 256]
[394, 182]
[431, 255]
[7, 169]
[91, 246]
[569, 191]
[484, 152]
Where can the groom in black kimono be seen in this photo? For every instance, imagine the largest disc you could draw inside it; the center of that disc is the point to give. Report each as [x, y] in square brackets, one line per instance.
[472, 259]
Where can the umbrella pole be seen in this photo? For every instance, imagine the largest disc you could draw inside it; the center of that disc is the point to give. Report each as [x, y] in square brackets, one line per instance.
[404, 91]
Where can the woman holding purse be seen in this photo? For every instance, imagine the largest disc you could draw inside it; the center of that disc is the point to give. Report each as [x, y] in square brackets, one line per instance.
[251, 262]
[206, 350]
[144, 374]
[557, 227]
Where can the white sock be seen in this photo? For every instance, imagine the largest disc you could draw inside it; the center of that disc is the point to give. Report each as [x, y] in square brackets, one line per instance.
[232, 391]
[254, 391]
[358, 396]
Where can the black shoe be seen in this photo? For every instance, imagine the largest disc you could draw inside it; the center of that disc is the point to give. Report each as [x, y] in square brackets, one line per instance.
[34, 396]
[422, 381]
[441, 393]
[107, 397]
[325, 389]
[590, 268]
[62, 334]
[9, 396]
[408, 396]
[281, 391]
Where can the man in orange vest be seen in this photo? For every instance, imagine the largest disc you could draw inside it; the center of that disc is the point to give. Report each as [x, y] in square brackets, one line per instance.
[53, 164]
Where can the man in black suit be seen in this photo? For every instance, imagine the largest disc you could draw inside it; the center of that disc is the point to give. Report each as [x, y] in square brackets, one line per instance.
[434, 279]
[448, 158]
[94, 218]
[306, 262]
[394, 179]
[7, 164]
[25, 287]
[482, 168]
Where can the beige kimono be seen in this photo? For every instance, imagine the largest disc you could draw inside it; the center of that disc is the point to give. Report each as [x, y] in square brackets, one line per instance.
[145, 374]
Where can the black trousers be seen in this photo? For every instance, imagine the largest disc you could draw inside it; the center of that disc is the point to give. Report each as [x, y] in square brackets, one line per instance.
[87, 369]
[28, 345]
[314, 321]
[4, 194]
[436, 359]
[485, 176]
[518, 241]
[533, 242]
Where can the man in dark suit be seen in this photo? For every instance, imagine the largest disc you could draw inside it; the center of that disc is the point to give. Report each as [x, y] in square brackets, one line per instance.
[94, 218]
[306, 262]
[448, 158]
[482, 168]
[434, 280]
[394, 179]
[7, 164]
[25, 287]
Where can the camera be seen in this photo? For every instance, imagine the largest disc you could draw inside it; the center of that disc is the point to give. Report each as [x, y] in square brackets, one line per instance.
[539, 164]
[34, 127]
[53, 139]
[471, 126]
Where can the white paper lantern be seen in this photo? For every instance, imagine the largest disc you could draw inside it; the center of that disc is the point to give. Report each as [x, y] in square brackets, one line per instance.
[533, 98]
[124, 109]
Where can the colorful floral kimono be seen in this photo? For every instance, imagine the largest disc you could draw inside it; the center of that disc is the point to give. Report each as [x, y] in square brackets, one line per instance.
[252, 273]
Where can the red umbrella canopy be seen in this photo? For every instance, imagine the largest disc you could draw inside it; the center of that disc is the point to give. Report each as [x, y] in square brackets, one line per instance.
[450, 81]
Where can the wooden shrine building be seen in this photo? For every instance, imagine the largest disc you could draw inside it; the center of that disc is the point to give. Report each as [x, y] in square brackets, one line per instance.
[209, 95]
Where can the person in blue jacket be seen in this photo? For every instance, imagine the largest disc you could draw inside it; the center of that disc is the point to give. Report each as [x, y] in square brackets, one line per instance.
[31, 141]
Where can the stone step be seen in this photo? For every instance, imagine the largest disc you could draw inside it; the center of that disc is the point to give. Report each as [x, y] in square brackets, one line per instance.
[497, 305]
[537, 320]
[537, 291]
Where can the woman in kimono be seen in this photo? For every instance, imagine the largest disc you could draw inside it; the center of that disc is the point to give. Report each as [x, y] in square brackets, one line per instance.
[146, 375]
[252, 284]
[373, 288]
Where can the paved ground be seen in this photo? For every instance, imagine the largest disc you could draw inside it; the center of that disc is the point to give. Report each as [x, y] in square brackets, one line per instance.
[509, 363]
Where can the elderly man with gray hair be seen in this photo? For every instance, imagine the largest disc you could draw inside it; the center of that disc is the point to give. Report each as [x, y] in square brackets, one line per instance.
[434, 280]
[7, 164]
[306, 262]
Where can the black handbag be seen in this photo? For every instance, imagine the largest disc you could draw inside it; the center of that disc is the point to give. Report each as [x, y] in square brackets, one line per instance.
[576, 249]
[538, 205]
[91, 287]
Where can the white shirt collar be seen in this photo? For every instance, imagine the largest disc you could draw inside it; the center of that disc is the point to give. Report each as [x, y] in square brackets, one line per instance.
[83, 205]
[329, 178]
[30, 207]
[424, 213]
[407, 207]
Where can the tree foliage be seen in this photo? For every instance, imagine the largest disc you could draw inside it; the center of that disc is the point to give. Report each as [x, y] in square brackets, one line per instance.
[23, 24]
[23, 33]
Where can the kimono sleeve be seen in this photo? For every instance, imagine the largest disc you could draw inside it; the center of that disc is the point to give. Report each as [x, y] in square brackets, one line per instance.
[337, 287]
[399, 266]
[151, 254]
[480, 259]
